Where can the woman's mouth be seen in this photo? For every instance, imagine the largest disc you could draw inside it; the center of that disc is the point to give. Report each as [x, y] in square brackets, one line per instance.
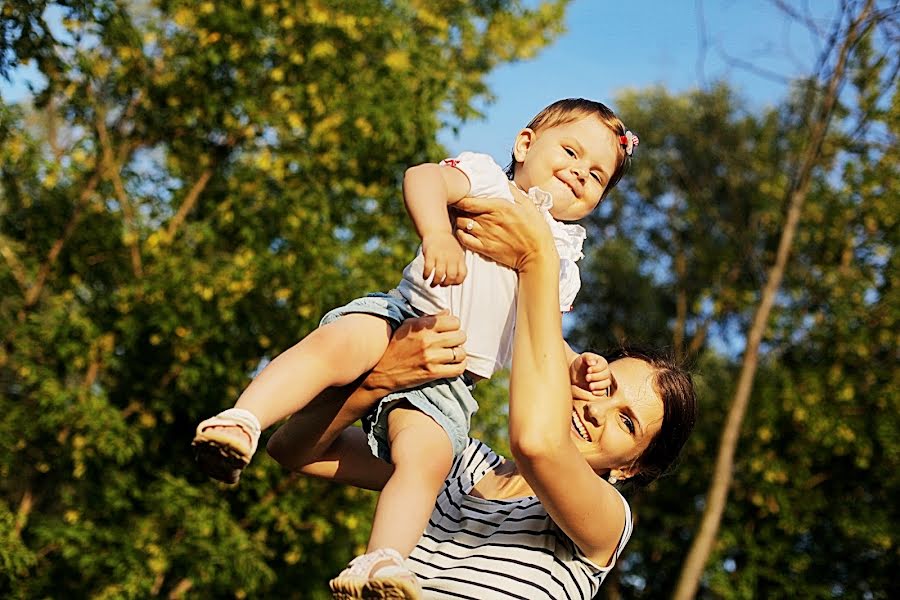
[578, 426]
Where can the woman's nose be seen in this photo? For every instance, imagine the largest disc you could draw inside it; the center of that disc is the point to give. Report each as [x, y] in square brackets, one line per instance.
[596, 409]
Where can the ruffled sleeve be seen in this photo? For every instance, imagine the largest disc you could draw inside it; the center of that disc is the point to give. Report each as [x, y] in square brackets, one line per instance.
[569, 239]
[486, 178]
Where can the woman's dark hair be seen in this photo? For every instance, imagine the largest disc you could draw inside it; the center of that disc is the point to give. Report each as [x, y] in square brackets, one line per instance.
[676, 388]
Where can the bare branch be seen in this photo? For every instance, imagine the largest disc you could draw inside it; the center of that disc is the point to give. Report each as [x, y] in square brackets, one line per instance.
[111, 169]
[25, 506]
[34, 291]
[752, 68]
[703, 43]
[15, 267]
[189, 201]
[717, 494]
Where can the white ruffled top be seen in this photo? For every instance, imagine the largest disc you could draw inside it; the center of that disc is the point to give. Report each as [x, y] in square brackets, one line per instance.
[569, 239]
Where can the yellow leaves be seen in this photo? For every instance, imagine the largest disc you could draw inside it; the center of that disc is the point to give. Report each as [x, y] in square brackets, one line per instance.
[764, 434]
[209, 37]
[287, 22]
[147, 420]
[364, 127]
[71, 516]
[207, 8]
[155, 339]
[282, 294]
[264, 341]
[294, 120]
[277, 74]
[181, 331]
[296, 58]
[844, 433]
[304, 310]
[269, 9]
[323, 49]
[204, 291]
[397, 60]
[325, 130]
[184, 17]
[101, 68]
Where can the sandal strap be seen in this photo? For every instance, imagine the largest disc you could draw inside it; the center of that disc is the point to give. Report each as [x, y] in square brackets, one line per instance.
[236, 417]
[362, 566]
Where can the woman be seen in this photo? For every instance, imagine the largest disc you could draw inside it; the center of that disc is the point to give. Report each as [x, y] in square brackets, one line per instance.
[548, 524]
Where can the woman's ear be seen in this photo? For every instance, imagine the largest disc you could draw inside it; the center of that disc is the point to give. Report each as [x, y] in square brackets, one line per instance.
[623, 473]
[523, 143]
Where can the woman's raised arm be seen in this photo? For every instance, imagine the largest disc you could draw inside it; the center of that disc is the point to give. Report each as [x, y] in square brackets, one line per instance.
[585, 506]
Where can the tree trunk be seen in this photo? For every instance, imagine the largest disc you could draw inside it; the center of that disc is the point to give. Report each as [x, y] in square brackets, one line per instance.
[717, 493]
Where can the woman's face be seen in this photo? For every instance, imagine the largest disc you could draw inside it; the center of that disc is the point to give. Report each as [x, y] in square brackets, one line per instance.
[611, 432]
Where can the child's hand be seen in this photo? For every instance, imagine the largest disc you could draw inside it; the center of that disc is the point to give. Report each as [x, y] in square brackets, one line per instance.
[589, 373]
[445, 258]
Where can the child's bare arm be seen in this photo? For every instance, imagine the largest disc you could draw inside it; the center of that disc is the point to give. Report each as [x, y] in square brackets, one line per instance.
[427, 191]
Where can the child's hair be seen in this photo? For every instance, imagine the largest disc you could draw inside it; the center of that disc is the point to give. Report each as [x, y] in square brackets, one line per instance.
[571, 109]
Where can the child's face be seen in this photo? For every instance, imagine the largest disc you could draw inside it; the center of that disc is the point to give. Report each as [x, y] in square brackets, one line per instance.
[572, 161]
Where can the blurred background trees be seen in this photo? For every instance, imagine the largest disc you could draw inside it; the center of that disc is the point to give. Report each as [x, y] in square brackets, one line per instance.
[196, 183]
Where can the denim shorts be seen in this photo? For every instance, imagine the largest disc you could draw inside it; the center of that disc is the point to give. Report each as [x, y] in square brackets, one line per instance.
[448, 401]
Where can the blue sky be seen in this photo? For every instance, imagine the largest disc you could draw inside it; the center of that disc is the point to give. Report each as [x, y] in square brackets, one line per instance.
[609, 46]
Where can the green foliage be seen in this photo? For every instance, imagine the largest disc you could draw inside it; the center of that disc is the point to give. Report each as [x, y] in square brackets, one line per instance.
[683, 247]
[196, 184]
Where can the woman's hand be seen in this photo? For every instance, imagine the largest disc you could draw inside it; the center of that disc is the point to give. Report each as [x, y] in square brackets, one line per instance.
[512, 234]
[421, 350]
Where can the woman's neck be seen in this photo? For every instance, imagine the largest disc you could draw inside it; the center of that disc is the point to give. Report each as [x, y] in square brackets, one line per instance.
[503, 482]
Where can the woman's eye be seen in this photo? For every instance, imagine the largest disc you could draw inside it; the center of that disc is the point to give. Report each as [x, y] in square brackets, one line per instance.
[628, 423]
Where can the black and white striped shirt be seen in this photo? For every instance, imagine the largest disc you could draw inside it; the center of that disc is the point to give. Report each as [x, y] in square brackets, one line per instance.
[500, 549]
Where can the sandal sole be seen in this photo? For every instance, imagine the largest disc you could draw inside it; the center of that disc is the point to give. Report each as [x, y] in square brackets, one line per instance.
[219, 459]
[347, 588]
[388, 588]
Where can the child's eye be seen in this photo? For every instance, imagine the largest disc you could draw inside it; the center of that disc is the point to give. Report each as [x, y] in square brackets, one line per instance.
[597, 177]
[569, 151]
[628, 423]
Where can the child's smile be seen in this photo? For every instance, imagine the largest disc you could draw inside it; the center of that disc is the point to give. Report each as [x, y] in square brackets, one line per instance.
[572, 162]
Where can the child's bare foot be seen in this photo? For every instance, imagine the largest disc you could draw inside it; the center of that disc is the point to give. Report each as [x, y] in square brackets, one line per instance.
[224, 444]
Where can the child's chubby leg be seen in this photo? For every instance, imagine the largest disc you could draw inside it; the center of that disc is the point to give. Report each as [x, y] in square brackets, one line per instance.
[332, 355]
[422, 455]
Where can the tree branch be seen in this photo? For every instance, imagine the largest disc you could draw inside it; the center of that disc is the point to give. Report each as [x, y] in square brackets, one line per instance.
[111, 169]
[189, 201]
[717, 494]
[34, 291]
[15, 267]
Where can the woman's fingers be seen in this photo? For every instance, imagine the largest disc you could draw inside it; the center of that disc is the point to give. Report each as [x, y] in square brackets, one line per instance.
[479, 206]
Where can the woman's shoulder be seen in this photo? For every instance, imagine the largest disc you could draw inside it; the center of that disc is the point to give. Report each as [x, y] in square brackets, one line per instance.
[475, 460]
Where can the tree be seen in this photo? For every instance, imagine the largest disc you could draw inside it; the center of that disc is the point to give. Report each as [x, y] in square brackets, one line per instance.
[193, 186]
[859, 21]
[683, 249]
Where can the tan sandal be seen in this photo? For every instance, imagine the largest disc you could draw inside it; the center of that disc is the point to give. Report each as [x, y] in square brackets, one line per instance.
[365, 579]
[221, 455]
